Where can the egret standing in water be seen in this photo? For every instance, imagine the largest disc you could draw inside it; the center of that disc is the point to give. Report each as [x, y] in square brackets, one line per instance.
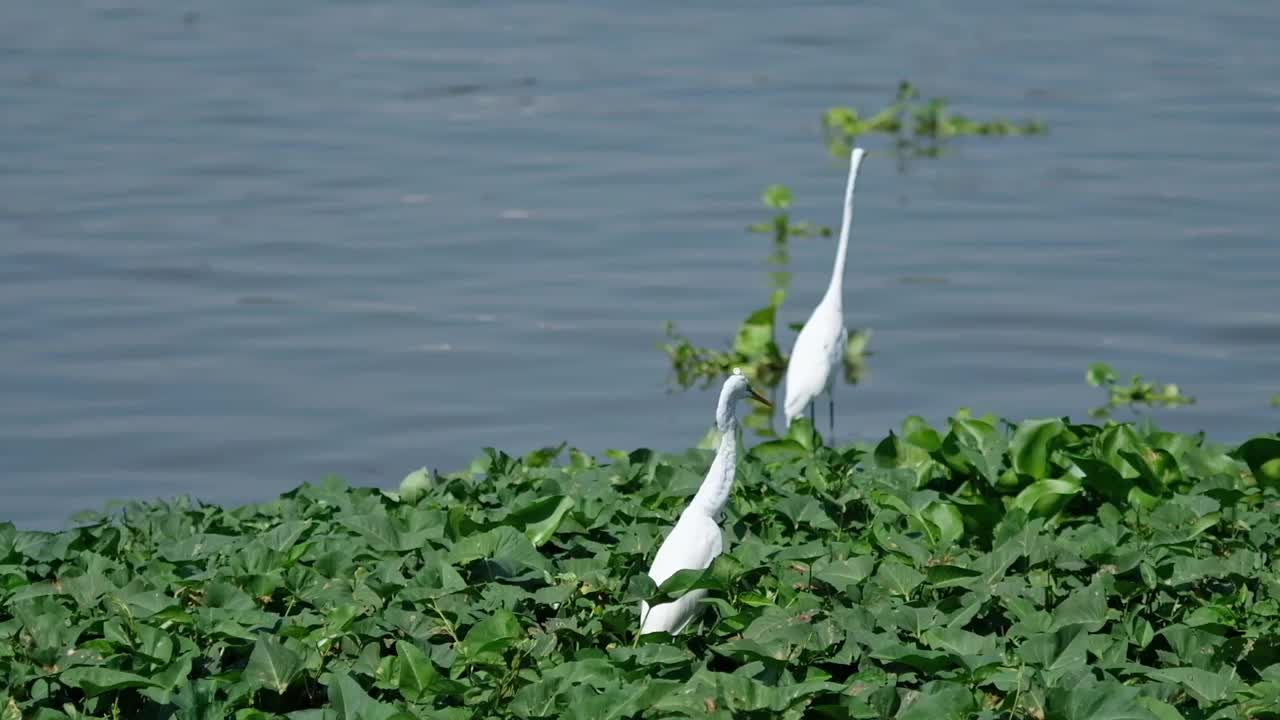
[820, 346]
[695, 540]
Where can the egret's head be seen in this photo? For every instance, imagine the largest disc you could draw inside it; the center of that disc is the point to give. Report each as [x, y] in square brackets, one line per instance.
[737, 388]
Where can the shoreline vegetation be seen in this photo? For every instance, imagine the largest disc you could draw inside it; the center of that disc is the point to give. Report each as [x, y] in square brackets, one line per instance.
[1043, 570]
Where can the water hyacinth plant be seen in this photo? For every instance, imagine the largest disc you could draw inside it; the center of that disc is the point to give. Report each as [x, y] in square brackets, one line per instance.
[918, 128]
[1137, 392]
[1044, 570]
[778, 198]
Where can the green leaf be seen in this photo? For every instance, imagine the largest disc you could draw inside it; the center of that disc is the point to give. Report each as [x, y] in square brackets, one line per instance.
[777, 196]
[948, 519]
[87, 589]
[508, 553]
[1057, 653]
[282, 537]
[435, 580]
[487, 642]
[176, 672]
[1104, 479]
[1100, 374]
[1107, 700]
[272, 664]
[777, 450]
[382, 533]
[917, 432]
[1045, 498]
[718, 576]
[843, 574]
[415, 485]
[803, 510]
[540, 520]
[960, 642]
[1160, 709]
[898, 578]
[950, 575]
[351, 702]
[419, 680]
[802, 432]
[889, 453]
[940, 700]
[975, 444]
[1262, 454]
[1208, 688]
[95, 681]
[640, 587]
[755, 335]
[1086, 606]
[1032, 444]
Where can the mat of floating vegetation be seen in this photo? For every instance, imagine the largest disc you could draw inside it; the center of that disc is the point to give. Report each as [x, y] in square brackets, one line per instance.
[1041, 570]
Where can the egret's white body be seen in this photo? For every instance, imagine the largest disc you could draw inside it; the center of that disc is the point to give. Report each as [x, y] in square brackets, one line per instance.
[695, 540]
[820, 346]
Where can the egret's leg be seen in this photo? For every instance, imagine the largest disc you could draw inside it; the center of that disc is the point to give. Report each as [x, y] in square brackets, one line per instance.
[812, 420]
[831, 413]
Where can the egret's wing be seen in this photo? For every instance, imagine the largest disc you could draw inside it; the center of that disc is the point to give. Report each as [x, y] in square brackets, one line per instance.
[812, 359]
[693, 543]
[836, 355]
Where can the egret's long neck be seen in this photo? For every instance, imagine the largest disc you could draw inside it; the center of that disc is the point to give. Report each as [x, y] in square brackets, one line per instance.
[836, 286]
[713, 494]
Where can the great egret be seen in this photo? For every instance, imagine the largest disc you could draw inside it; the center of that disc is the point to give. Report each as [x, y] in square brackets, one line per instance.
[695, 540]
[820, 346]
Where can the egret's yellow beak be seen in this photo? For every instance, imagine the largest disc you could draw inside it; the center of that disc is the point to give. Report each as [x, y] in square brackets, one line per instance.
[759, 398]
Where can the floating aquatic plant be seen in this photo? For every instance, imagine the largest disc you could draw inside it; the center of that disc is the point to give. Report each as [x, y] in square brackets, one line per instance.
[1137, 392]
[754, 349]
[920, 127]
[778, 198]
[977, 570]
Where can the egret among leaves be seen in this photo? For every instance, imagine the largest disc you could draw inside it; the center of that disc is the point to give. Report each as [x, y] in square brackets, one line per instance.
[820, 346]
[695, 540]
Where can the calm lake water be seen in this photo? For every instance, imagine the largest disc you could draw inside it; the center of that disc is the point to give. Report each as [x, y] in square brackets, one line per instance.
[244, 245]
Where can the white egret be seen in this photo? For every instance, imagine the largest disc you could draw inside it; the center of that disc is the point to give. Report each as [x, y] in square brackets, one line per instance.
[695, 540]
[820, 346]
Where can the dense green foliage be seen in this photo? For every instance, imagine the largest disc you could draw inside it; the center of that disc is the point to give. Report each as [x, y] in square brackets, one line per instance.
[980, 570]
